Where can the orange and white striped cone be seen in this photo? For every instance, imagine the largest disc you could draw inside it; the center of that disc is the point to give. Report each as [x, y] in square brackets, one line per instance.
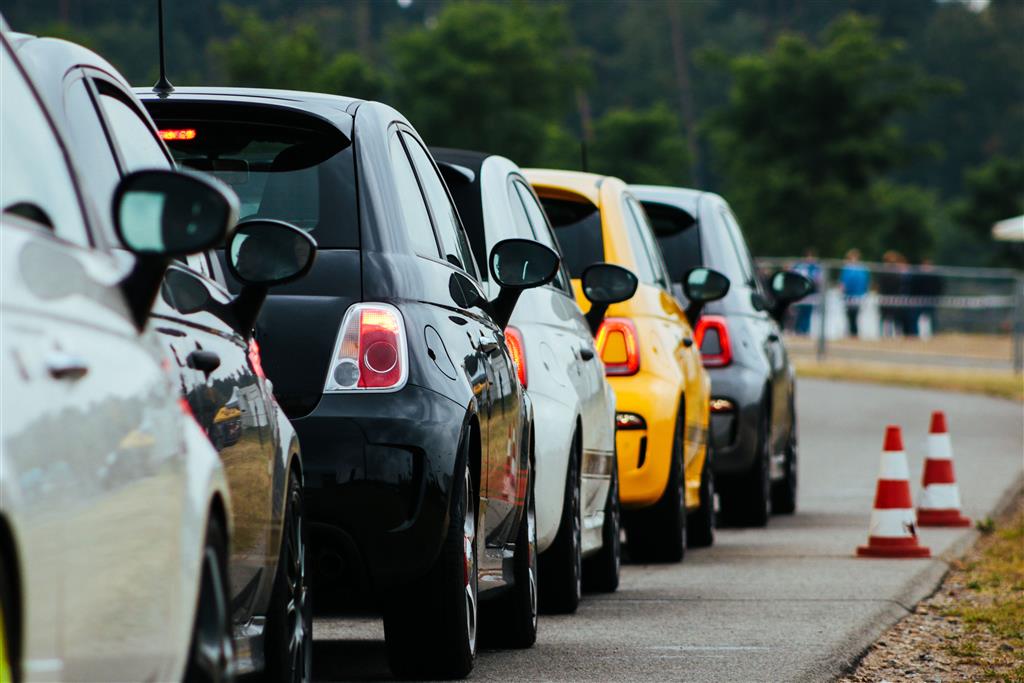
[892, 532]
[940, 500]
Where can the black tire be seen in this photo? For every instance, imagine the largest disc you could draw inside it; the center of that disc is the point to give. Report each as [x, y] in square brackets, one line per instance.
[561, 565]
[658, 533]
[289, 634]
[784, 491]
[601, 572]
[211, 655]
[512, 619]
[9, 664]
[430, 627]
[746, 500]
[700, 525]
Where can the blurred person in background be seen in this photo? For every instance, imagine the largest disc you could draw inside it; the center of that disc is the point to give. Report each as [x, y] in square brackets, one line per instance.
[925, 286]
[891, 284]
[853, 279]
[811, 269]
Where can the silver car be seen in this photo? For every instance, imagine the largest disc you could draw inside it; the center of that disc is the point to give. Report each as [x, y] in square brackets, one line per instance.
[113, 505]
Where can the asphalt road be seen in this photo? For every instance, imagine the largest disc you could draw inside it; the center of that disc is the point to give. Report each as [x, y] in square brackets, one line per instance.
[785, 603]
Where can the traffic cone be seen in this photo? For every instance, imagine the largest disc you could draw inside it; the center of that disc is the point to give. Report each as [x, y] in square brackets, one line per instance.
[892, 532]
[940, 501]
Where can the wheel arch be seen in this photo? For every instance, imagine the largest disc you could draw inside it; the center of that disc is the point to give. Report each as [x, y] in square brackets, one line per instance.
[12, 568]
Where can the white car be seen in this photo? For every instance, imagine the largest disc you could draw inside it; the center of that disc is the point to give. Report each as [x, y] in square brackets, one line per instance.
[574, 406]
[113, 503]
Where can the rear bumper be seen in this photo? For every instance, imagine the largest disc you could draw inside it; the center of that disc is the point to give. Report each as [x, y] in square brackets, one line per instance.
[378, 481]
[645, 455]
[733, 434]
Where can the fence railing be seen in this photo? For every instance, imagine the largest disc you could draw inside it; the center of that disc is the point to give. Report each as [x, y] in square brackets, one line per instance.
[967, 313]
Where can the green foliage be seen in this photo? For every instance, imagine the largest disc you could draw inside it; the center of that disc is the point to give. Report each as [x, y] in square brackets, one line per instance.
[645, 146]
[489, 76]
[808, 132]
[995, 191]
[274, 55]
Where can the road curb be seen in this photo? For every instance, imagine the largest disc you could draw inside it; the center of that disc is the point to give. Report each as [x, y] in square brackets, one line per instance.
[845, 657]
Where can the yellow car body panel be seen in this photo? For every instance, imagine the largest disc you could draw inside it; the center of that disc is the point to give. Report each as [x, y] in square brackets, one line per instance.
[671, 375]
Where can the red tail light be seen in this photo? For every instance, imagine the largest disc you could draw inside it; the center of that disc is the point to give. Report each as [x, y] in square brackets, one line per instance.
[514, 340]
[712, 337]
[371, 352]
[178, 133]
[254, 359]
[617, 343]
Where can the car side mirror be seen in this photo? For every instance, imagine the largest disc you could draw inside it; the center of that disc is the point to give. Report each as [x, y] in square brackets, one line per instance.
[787, 288]
[161, 214]
[702, 285]
[516, 265]
[263, 253]
[605, 284]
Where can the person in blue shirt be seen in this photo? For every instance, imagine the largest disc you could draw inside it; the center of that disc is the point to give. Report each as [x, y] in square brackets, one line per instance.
[853, 278]
[810, 269]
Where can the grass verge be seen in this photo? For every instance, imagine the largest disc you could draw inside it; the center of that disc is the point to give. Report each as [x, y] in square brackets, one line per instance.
[992, 383]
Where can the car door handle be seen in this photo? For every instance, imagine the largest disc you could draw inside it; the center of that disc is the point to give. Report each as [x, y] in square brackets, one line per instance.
[62, 365]
[205, 361]
[773, 337]
[585, 353]
[687, 342]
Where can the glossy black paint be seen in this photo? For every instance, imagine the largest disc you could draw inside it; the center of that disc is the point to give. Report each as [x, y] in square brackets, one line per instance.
[381, 465]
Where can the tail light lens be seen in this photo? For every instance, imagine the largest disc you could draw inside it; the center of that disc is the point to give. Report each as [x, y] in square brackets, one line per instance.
[617, 343]
[514, 340]
[254, 359]
[712, 337]
[371, 353]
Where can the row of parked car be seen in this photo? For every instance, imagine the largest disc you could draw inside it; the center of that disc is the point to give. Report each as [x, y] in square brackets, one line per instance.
[493, 372]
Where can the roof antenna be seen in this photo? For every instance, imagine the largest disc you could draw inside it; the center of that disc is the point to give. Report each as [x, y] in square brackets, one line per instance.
[163, 87]
[583, 154]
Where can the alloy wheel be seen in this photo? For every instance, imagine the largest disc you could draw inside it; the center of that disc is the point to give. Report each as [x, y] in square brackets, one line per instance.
[469, 559]
[214, 649]
[297, 617]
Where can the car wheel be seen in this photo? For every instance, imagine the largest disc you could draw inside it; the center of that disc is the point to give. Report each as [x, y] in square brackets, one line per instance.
[8, 659]
[289, 639]
[211, 658]
[430, 628]
[561, 565]
[746, 500]
[514, 620]
[658, 533]
[700, 526]
[784, 491]
[601, 572]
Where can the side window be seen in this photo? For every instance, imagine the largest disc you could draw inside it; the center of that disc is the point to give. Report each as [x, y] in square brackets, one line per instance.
[449, 228]
[661, 277]
[90, 143]
[37, 181]
[524, 228]
[137, 143]
[645, 270]
[739, 247]
[542, 230]
[414, 210]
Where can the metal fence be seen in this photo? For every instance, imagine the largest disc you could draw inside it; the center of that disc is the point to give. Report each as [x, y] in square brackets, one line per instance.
[972, 317]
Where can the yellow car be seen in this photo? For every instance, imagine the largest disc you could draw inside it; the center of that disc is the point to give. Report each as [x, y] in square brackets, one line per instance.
[652, 362]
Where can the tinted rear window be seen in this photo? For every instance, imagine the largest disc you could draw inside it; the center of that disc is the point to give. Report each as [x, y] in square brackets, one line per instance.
[678, 236]
[578, 231]
[301, 174]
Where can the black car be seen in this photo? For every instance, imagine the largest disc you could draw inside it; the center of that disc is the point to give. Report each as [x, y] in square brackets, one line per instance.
[753, 404]
[208, 332]
[392, 364]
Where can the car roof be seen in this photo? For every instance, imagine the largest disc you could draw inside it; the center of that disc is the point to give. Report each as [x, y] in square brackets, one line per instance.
[683, 198]
[50, 59]
[249, 95]
[587, 185]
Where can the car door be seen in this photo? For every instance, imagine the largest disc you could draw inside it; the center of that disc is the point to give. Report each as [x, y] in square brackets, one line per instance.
[87, 424]
[500, 471]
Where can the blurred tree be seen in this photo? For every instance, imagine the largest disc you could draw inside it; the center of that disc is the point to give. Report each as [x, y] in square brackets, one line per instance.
[275, 55]
[644, 146]
[995, 191]
[489, 76]
[808, 130]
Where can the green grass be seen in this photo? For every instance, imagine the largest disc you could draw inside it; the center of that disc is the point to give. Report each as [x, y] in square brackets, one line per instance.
[988, 382]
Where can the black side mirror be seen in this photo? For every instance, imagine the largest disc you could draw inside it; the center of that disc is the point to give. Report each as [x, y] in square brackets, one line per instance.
[161, 214]
[787, 288]
[702, 285]
[516, 265]
[605, 284]
[263, 253]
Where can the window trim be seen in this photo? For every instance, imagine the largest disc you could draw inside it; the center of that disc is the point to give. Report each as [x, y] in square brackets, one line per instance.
[97, 82]
[517, 179]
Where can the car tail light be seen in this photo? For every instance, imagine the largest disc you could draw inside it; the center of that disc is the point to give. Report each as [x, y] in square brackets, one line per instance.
[178, 134]
[712, 337]
[618, 346]
[514, 340]
[371, 353]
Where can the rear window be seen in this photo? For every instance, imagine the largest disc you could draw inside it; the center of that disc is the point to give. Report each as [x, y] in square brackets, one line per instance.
[578, 231]
[678, 237]
[302, 174]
